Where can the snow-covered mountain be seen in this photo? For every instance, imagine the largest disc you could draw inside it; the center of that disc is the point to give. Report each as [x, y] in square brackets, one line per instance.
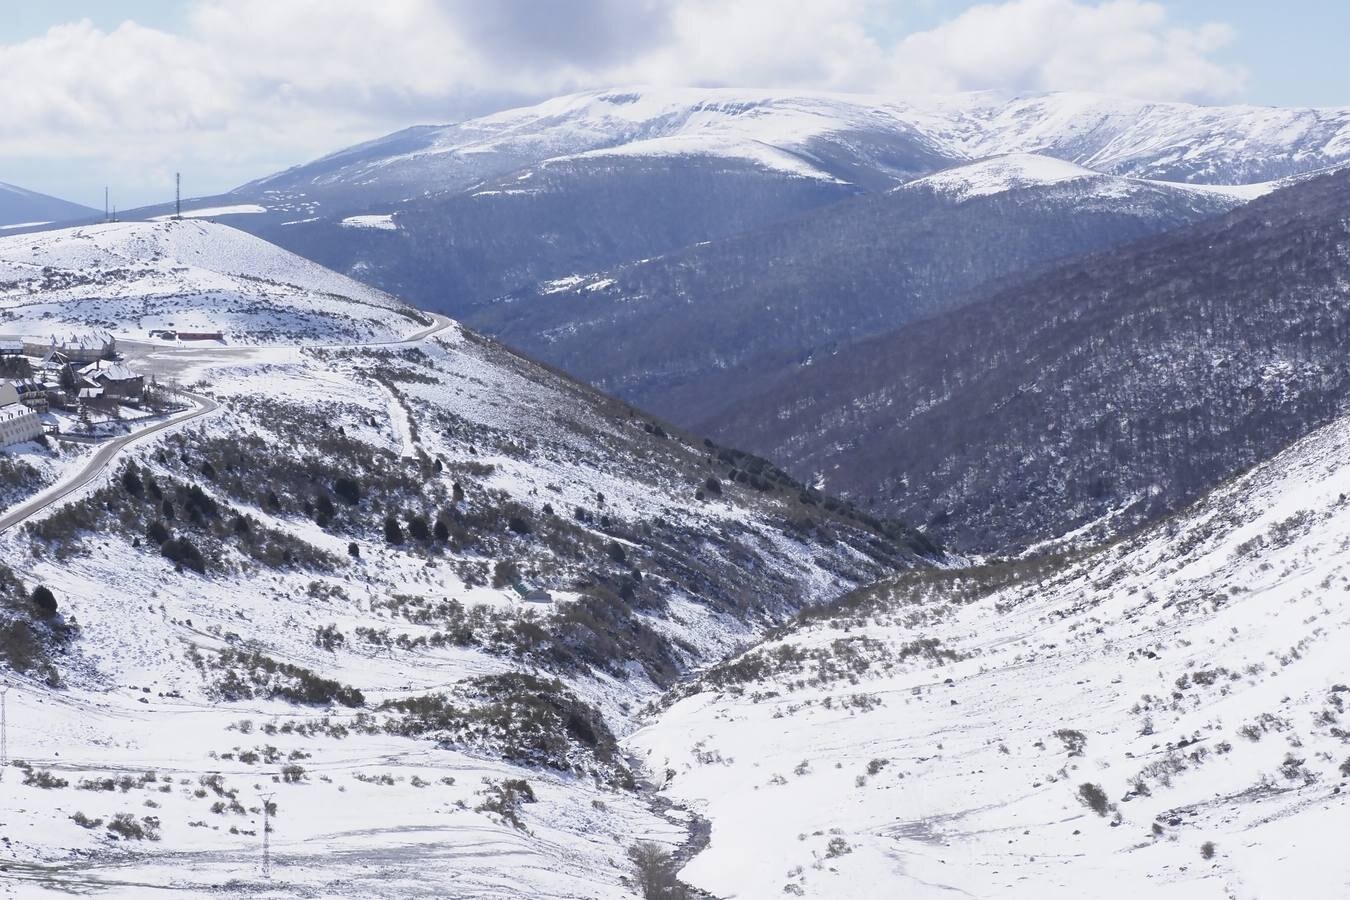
[134, 277]
[1165, 717]
[857, 138]
[310, 595]
[22, 208]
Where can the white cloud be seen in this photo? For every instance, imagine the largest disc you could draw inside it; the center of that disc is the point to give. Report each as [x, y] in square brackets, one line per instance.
[249, 86]
[1119, 47]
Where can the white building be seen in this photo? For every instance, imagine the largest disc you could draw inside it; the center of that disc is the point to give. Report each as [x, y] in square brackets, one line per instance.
[79, 348]
[18, 423]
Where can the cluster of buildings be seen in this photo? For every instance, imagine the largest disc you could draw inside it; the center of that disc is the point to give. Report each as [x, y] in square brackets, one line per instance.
[74, 373]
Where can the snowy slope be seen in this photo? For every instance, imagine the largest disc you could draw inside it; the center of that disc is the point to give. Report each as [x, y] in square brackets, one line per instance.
[421, 731]
[932, 736]
[132, 277]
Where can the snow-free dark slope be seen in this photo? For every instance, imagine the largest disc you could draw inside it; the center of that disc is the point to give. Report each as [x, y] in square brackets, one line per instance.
[24, 207]
[657, 331]
[451, 251]
[1121, 383]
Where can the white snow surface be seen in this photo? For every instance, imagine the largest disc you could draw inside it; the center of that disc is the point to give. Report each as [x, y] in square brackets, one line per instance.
[131, 277]
[1001, 174]
[381, 222]
[236, 209]
[1195, 673]
[1017, 171]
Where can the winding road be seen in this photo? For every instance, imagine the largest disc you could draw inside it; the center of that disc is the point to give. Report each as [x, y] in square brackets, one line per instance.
[202, 406]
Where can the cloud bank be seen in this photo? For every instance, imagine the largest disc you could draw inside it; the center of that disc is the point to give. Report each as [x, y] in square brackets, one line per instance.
[250, 86]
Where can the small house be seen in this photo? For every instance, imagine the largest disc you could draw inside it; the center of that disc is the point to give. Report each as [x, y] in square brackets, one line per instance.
[115, 379]
[532, 594]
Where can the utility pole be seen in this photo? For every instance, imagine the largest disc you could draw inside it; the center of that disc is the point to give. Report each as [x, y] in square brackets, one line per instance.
[106, 217]
[267, 834]
[4, 727]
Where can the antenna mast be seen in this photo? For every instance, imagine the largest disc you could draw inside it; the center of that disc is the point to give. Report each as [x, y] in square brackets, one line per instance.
[106, 217]
[178, 195]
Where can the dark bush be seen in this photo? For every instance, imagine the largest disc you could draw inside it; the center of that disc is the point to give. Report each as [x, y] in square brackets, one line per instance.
[199, 505]
[157, 532]
[183, 552]
[44, 600]
[417, 527]
[1094, 798]
[348, 490]
[393, 532]
[518, 524]
[323, 510]
[505, 573]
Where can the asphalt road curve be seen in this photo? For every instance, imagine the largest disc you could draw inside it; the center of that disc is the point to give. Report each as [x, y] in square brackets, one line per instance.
[202, 406]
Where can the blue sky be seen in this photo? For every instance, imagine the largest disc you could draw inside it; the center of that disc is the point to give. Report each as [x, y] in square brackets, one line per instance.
[125, 93]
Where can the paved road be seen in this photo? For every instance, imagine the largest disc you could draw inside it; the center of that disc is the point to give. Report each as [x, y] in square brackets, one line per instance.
[202, 406]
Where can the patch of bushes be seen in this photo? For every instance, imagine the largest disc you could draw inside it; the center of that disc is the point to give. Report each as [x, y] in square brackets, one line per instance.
[504, 799]
[523, 717]
[654, 869]
[84, 821]
[1094, 798]
[128, 828]
[244, 674]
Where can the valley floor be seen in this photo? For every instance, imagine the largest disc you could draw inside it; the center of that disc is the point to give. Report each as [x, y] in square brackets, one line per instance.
[1165, 717]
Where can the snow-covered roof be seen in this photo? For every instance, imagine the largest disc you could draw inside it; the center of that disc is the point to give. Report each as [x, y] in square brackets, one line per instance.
[87, 340]
[109, 371]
